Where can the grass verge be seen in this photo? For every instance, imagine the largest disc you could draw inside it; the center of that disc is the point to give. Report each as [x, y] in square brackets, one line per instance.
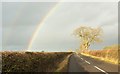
[108, 54]
[101, 58]
[63, 66]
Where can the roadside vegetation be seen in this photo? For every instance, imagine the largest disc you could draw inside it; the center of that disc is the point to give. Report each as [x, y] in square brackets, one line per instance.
[108, 54]
[35, 61]
[90, 35]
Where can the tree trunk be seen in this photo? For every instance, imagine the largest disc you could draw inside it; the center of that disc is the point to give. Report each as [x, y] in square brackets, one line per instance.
[87, 44]
[84, 45]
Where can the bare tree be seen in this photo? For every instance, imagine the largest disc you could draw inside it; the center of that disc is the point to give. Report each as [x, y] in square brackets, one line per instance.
[88, 35]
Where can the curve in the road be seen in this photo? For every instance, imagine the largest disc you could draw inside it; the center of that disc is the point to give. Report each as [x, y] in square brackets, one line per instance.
[80, 63]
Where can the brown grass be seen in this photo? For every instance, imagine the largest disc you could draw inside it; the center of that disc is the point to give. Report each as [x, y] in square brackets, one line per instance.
[109, 54]
[33, 61]
[63, 66]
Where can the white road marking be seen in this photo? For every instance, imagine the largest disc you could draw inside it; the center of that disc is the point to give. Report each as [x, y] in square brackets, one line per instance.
[100, 69]
[87, 62]
[82, 58]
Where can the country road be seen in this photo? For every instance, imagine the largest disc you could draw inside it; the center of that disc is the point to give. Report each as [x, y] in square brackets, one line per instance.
[80, 63]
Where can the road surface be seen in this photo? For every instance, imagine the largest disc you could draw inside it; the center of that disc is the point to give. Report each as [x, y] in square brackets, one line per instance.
[80, 63]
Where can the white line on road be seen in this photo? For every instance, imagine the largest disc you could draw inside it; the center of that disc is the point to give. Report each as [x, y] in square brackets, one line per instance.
[87, 62]
[82, 58]
[100, 69]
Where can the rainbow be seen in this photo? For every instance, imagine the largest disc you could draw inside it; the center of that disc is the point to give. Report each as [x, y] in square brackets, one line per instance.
[40, 24]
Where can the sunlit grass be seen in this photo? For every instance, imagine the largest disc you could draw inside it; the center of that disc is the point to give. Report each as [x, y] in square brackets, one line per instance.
[108, 54]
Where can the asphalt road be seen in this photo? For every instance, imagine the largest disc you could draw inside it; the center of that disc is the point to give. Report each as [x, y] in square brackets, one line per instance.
[80, 63]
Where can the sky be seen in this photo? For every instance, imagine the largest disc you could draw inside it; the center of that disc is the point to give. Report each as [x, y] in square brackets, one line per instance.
[59, 0]
[20, 20]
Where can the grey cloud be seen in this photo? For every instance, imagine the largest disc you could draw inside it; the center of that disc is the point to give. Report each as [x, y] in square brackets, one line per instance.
[56, 32]
[23, 22]
[16, 12]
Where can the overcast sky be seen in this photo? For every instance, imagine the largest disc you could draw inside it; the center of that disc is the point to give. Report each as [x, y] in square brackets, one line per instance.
[21, 19]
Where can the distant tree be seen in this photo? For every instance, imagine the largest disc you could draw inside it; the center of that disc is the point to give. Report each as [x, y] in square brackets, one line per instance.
[42, 51]
[88, 35]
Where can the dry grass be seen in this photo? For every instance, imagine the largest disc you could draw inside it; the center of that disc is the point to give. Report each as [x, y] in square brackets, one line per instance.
[33, 61]
[109, 54]
[63, 66]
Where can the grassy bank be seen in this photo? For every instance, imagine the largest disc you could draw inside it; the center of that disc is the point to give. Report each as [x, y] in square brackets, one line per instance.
[34, 61]
[108, 54]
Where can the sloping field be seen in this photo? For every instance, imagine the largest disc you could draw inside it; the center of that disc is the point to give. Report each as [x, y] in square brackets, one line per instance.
[34, 61]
